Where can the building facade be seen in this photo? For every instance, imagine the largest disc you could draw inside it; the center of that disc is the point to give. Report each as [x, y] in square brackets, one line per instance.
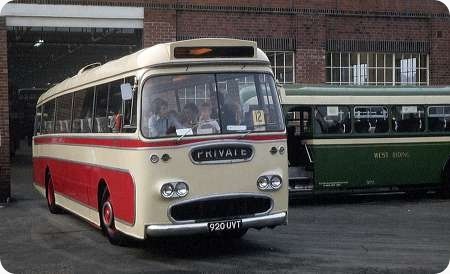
[336, 42]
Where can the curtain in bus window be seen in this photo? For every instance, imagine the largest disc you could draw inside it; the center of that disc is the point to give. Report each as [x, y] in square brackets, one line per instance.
[101, 109]
[48, 117]
[82, 111]
[408, 118]
[63, 113]
[332, 120]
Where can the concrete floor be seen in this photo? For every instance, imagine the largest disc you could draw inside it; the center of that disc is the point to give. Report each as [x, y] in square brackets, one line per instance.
[374, 234]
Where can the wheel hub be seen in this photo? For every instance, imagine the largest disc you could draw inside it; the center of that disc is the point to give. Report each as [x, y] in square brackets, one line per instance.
[107, 213]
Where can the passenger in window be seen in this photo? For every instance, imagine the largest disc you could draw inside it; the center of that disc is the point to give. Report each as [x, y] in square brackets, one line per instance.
[206, 124]
[115, 122]
[161, 122]
[189, 116]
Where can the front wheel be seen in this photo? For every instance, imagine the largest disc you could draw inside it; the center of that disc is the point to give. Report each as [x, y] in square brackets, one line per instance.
[50, 195]
[107, 220]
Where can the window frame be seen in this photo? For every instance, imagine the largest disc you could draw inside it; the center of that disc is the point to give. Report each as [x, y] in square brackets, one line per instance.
[375, 70]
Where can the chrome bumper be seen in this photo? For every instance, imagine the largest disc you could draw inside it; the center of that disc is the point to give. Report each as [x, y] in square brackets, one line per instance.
[201, 228]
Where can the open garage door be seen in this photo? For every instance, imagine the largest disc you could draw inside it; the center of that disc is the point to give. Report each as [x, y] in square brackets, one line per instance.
[48, 43]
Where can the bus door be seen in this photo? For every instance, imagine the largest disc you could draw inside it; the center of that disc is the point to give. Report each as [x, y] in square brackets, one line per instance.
[298, 121]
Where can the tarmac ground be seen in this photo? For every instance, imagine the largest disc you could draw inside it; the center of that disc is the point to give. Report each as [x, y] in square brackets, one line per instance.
[357, 234]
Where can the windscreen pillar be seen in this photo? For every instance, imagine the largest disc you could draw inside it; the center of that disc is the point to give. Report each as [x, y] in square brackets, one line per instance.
[5, 168]
[159, 27]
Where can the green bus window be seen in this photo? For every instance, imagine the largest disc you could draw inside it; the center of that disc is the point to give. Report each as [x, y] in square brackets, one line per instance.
[332, 120]
[408, 119]
[371, 119]
[438, 118]
[299, 121]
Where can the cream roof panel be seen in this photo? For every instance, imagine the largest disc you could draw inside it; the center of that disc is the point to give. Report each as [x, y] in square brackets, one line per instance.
[158, 55]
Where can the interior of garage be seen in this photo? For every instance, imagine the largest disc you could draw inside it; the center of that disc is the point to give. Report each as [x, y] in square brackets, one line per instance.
[40, 57]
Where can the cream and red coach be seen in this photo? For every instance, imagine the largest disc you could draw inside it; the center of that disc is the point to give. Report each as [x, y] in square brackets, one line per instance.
[180, 138]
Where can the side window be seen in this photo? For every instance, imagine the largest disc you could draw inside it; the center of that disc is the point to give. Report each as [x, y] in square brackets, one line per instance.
[371, 119]
[332, 120]
[48, 117]
[115, 113]
[130, 107]
[37, 121]
[82, 111]
[298, 122]
[408, 119]
[439, 118]
[101, 109]
[63, 113]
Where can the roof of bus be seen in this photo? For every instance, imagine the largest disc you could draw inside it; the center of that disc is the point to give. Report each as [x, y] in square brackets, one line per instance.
[158, 55]
[301, 94]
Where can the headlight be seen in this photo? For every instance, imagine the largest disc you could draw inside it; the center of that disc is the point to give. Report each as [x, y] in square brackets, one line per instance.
[167, 190]
[181, 189]
[174, 190]
[269, 183]
[263, 182]
[275, 182]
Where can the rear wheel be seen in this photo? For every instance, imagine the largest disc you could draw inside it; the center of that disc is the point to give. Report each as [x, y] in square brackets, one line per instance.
[50, 195]
[107, 220]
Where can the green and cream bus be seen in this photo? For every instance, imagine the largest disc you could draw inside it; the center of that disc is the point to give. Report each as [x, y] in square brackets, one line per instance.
[179, 138]
[367, 139]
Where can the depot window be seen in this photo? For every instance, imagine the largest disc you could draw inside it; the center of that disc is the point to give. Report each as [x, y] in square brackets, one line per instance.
[380, 69]
[282, 63]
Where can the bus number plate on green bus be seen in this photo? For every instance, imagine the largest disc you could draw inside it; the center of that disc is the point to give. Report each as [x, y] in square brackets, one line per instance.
[225, 225]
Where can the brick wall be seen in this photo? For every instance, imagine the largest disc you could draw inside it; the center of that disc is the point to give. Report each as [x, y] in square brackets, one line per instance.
[235, 24]
[159, 27]
[440, 52]
[4, 117]
[310, 52]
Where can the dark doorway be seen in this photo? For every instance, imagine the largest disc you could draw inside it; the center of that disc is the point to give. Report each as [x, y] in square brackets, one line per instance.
[40, 57]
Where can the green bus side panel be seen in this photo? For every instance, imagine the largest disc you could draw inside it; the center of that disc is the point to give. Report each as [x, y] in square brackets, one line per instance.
[365, 166]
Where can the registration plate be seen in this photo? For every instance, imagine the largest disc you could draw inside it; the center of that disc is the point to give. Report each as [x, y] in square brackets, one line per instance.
[225, 225]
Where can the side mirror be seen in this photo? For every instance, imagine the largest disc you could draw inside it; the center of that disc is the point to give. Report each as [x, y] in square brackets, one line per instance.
[127, 91]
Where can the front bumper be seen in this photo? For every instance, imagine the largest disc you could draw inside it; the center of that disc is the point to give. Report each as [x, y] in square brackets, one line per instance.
[202, 228]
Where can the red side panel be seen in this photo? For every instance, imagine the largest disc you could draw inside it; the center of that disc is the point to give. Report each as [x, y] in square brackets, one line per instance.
[39, 172]
[79, 182]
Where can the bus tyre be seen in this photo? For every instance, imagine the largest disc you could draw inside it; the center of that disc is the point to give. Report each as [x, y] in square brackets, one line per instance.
[50, 195]
[107, 220]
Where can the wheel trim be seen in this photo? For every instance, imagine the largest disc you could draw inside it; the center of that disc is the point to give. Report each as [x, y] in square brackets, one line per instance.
[108, 214]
